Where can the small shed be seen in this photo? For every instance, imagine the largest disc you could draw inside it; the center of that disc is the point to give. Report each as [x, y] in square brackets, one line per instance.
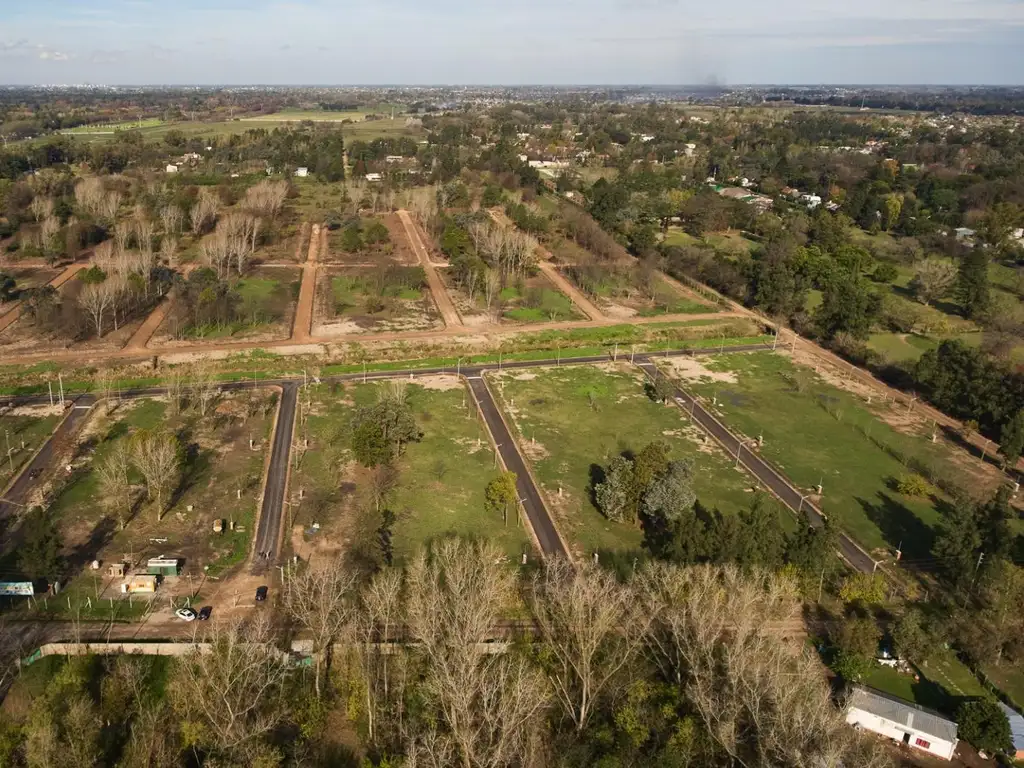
[116, 570]
[901, 721]
[163, 566]
[172, 168]
[1016, 730]
[302, 172]
[139, 583]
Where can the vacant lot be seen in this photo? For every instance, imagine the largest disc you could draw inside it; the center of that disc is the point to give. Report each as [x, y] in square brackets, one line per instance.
[817, 433]
[263, 307]
[370, 241]
[571, 421]
[22, 431]
[438, 487]
[532, 299]
[392, 298]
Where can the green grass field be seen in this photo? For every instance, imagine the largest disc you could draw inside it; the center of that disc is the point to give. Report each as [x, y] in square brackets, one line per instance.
[22, 435]
[572, 420]
[441, 478]
[815, 432]
[945, 683]
[550, 305]
[128, 125]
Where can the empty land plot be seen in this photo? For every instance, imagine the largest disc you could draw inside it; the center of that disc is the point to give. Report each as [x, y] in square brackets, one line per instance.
[531, 299]
[624, 289]
[439, 481]
[573, 421]
[391, 298]
[257, 307]
[220, 478]
[22, 430]
[815, 432]
[371, 240]
[26, 278]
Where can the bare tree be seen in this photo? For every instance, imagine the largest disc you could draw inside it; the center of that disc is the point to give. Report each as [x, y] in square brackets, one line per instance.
[492, 292]
[216, 252]
[203, 211]
[110, 205]
[591, 630]
[169, 251]
[488, 705]
[123, 232]
[48, 235]
[97, 299]
[236, 689]
[41, 207]
[115, 484]
[377, 621]
[266, 198]
[322, 598]
[175, 384]
[157, 456]
[933, 280]
[170, 216]
[89, 195]
[764, 702]
[202, 381]
[143, 231]
[103, 256]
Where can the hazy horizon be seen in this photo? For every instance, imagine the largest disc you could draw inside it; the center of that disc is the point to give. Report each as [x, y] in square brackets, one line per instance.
[533, 42]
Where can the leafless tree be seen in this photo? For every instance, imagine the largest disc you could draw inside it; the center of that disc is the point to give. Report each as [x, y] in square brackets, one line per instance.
[492, 292]
[115, 483]
[157, 456]
[322, 598]
[103, 256]
[239, 232]
[143, 230]
[591, 630]
[175, 383]
[123, 232]
[204, 210]
[216, 252]
[202, 381]
[236, 690]
[764, 702]
[933, 280]
[488, 704]
[266, 198]
[48, 234]
[89, 195]
[169, 251]
[110, 205]
[170, 216]
[41, 207]
[379, 617]
[97, 299]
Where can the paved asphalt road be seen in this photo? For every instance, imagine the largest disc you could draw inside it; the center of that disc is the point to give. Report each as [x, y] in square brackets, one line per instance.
[762, 470]
[269, 526]
[18, 493]
[529, 494]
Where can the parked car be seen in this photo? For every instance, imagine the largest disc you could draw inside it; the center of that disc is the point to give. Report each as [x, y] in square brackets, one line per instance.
[261, 594]
[204, 612]
[185, 614]
[34, 473]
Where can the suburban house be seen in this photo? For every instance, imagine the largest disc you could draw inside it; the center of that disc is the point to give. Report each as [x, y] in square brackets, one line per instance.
[374, 177]
[902, 722]
[689, 149]
[813, 201]
[1016, 731]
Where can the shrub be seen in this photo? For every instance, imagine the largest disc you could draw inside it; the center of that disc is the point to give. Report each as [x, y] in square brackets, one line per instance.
[912, 485]
[884, 273]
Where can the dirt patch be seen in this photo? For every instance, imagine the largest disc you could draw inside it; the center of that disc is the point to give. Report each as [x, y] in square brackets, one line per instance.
[525, 376]
[694, 370]
[617, 311]
[36, 411]
[439, 382]
[534, 451]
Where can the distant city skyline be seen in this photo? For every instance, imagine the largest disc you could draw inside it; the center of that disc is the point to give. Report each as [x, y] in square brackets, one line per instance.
[532, 42]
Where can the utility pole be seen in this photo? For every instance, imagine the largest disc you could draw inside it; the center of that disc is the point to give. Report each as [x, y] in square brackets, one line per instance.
[9, 459]
[49, 386]
[60, 379]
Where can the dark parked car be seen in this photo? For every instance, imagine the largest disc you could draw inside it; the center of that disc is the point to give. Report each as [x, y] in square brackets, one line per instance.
[34, 473]
[204, 612]
[261, 594]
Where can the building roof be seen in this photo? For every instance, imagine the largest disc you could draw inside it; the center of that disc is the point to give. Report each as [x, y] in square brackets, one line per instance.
[902, 713]
[1016, 726]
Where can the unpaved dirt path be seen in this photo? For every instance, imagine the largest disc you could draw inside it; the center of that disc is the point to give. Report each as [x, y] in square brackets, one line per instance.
[303, 325]
[441, 298]
[13, 313]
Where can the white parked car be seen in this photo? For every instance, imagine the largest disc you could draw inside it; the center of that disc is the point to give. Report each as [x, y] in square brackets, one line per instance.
[185, 614]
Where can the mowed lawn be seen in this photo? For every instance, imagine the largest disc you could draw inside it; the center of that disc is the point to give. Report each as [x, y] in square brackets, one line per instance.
[441, 478]
[573, 420]
[815, 432]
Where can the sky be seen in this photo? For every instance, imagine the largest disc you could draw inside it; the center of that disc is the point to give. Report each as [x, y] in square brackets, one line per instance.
[511, 42]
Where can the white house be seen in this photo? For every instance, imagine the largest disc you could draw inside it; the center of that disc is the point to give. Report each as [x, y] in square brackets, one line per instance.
[374, 177]
[646, 137]
[902, 722]
[172, 169]
[689, 149]
[964, 233]
[813, 201]
[302, 172]
[1018, 233]
[392, 159]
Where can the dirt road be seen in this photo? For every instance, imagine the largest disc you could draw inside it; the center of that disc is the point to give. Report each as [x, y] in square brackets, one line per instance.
[441, 298]
[303, 325]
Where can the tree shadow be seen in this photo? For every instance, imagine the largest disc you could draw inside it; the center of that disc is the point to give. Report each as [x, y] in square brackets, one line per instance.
[899, 526]
[84, 553]
[597, 476]
[622, 562]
